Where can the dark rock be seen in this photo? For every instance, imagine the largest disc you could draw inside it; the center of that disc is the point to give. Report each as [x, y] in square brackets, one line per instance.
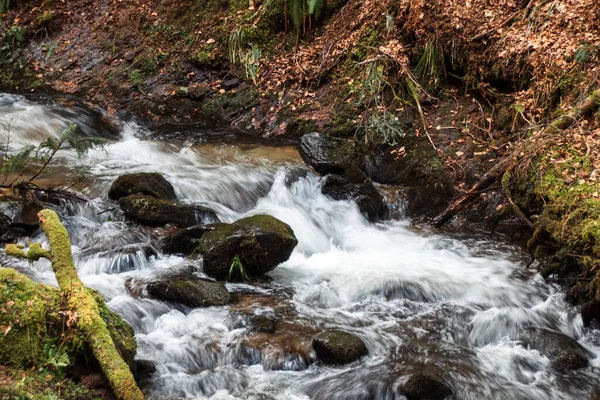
[231, 83]
[146, 183]
[367, 198]
[28, 215]
[5, 222]
[420, 171]
[338, 347]
[261, 242]
[189, 290]
[590, 311]
[294, 174]
[143, 370]
[426, 386]
[183, 241]
[564, 352]
[328, 155]
[150, 211]
[129, 56]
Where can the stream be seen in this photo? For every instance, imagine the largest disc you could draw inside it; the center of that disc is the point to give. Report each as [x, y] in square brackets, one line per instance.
[452, 302]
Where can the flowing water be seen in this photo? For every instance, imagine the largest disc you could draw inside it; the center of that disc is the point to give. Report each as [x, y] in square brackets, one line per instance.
[420, 299]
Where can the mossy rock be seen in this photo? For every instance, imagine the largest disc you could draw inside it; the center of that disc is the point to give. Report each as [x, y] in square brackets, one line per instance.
[146, 183]
[338, 347]
[151, 211]
[189, 290]
[33, 319]
[261, 243]
[183, 241]
[329, 155]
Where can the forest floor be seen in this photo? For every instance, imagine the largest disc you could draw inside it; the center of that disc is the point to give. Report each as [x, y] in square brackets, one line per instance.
[488, 78]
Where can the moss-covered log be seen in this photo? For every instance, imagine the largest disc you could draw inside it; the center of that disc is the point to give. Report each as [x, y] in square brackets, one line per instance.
[81, 301]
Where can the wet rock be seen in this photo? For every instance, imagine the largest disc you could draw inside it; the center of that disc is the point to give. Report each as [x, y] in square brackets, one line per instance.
[183, 241]
[328, 155]
[5, 222]
[146, 183]
[340, 161]
[419, 171]
[261, 242]
[143, 370]
[426, 386]
[367, 198]
[189, 290]
[590, 311]
[338, 347]
[150, 211]
[564, 352]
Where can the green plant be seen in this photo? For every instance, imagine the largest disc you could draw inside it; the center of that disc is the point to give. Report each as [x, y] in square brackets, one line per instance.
[16, 165]
[431, 64]
[57, 358]
[386, 127]
[237, 270]
[241, 52]
[13, 36]
[4, 6]
[301, 12]
[137, 79]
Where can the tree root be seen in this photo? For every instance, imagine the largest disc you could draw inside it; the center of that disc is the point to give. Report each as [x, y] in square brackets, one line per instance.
[81, 301]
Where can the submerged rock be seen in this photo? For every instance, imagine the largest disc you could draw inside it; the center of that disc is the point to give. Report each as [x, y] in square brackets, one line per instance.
[150, 211]
[338, 347]
[426, 386]
[189, 290]
[564, 352]
[146, 183]
[261, 243]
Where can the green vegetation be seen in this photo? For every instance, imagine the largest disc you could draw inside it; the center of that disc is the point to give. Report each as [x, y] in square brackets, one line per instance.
[15, 170]
[242, 52]
[237, 271]
[81, 302]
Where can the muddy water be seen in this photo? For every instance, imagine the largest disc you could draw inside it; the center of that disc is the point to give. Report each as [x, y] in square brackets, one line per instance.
[420, 299]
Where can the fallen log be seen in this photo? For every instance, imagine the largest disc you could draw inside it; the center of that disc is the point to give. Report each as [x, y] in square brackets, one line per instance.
[81, 302]
[458, 204]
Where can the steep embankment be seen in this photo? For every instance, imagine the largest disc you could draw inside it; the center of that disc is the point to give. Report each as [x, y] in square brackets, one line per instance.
[437, 91]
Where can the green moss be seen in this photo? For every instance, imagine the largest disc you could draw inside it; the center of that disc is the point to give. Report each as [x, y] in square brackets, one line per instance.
[39, 385]
[26, 308]
[137, 79]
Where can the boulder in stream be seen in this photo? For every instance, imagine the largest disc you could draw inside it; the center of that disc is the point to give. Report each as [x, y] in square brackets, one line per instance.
[426, 386]
[367, 198]
[329, 155]
[146, 183]
[189, 290]
[261, 243]
[151, 211]
[340, 162]
[338, 347]
[564, 352]
[183, 241]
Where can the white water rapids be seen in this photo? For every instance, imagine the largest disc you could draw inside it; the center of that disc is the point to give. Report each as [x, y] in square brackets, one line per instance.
[418, 298]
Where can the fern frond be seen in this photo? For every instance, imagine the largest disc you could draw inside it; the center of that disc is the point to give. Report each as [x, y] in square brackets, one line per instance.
[297, 13]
